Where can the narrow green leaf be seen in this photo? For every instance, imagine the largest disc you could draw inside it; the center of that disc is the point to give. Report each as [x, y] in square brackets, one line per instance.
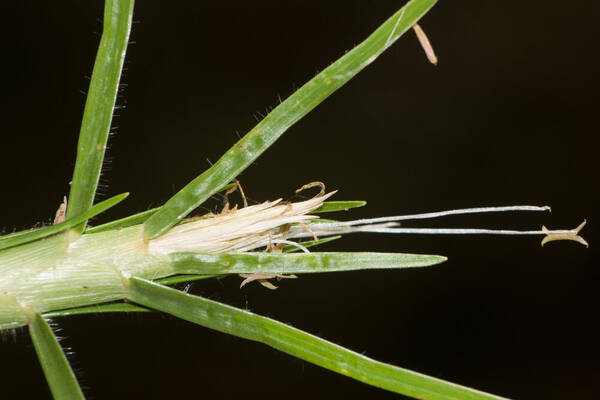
[263, 135]
[98, 112]
[20, 233]
[123, 222]
[295, 342]
[30, 236]
[101, 308]
[171, 280]
[288, 263]
[330, 206]
[309, 243]
[59, 375]
[135, 219]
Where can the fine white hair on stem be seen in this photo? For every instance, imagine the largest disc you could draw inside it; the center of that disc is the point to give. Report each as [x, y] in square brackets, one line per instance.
[289, 242]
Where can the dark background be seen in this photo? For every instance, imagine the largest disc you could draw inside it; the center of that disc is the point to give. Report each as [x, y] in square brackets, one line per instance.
[508, 117]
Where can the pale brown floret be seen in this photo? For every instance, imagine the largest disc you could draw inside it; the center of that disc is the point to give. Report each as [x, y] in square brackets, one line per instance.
[61, 213]
[427, 47]
[263, 279]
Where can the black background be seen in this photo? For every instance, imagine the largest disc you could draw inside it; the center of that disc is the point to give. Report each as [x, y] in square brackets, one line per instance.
[508, 117]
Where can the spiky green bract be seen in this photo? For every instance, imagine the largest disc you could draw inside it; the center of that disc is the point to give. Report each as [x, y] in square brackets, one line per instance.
[295, 342]
[330, 206]
[20, 238]
[99, 105]
[59, 375]
[263, 135]
[278, 263]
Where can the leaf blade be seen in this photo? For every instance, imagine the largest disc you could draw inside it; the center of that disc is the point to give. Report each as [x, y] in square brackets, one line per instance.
[244, 324]
[296, 106]
[98, 112]
[292, 263]
[58, 372]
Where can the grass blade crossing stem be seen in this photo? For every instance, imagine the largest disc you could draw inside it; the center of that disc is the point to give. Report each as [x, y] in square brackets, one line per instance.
[295, 342]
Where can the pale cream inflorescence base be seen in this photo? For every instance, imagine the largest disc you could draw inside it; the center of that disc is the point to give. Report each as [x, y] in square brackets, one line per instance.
[237, 230]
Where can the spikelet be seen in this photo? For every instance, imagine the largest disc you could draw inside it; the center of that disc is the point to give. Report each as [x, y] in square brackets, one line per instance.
[237, 230]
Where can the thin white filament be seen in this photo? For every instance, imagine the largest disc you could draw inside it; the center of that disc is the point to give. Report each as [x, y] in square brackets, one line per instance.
[460, 231]
[440, 214]
[331, 229]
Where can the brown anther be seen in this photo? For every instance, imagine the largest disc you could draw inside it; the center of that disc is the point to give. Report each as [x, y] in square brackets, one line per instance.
[267, 284]
[572, 235]
[424, 41]
[231, 189]
[225, 209]
[313, 184]
[263, 279]
[61, 212]
[306, 228]
[237, 186]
